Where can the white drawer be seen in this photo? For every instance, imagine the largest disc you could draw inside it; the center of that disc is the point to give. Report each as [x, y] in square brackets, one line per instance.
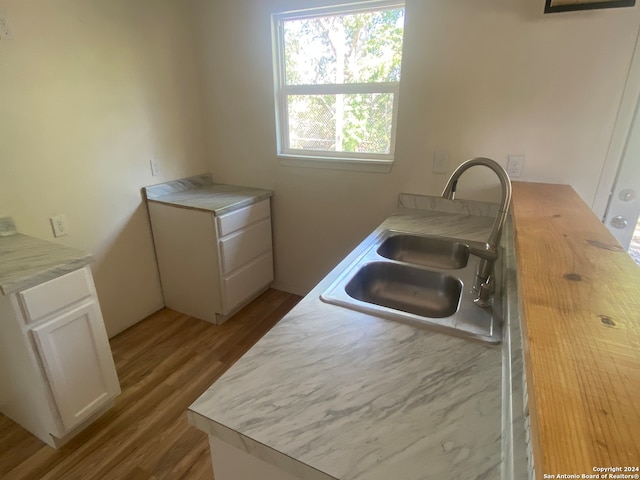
[55, 294]
[248, 281]
[245, 245]
[238, 219]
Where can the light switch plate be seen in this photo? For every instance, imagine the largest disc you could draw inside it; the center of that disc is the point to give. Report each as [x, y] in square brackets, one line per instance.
[440, 162]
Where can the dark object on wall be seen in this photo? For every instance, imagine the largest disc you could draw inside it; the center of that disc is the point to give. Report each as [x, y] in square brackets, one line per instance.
[553, 6]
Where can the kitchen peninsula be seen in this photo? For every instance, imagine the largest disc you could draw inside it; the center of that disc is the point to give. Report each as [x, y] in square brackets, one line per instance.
[331, 393]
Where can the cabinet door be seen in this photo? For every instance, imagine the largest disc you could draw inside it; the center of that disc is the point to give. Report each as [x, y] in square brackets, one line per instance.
[77, 359]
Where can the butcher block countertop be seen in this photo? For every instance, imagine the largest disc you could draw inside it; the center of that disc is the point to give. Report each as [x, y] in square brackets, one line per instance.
[580, 305]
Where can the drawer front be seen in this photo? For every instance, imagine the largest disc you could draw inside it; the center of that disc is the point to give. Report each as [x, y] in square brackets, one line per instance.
[247, 281]
[55, 294]
[234, 221]
[245, 245]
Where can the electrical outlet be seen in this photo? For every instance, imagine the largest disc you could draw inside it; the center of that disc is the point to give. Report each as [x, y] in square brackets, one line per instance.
[6, 33]
[59, 226]
[155, 167]
[440, 162]
[514, 165]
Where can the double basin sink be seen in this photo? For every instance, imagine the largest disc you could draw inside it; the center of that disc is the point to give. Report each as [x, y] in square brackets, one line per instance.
[422, 280]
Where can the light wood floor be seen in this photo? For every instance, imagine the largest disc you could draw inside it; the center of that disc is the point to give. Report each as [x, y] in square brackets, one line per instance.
[164, 363]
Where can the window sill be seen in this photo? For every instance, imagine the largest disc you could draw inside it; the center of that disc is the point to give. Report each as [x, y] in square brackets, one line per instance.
[375, 166]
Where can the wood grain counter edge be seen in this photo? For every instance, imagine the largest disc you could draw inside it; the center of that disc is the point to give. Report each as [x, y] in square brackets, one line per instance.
[580, 305]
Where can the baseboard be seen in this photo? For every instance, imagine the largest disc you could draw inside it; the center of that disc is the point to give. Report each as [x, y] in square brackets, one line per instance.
[289, 289]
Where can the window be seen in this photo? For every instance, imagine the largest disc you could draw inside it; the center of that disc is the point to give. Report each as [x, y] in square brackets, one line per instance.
[337, 73]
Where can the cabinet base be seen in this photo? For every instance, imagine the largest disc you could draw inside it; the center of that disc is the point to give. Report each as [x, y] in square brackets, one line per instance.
[59, 442]
[220, 319]
[230, 463]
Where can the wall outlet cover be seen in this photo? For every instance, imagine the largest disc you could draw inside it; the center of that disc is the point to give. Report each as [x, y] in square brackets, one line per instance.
[6, 32]
[514, 165]
[59, 226]
[155, 167]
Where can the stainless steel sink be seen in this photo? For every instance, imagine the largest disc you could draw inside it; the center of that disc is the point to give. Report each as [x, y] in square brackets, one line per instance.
[421, 280]
[405, 288]
[427, 251]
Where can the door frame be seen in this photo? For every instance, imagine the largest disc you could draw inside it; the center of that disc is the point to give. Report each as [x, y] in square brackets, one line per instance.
[624, 121]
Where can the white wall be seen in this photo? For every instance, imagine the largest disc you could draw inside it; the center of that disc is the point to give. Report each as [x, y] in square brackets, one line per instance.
[488, 78]
[90, 90]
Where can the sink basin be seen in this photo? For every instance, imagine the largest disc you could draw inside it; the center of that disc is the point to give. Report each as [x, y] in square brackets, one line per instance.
[421, 280]
[427, 251]
[406, 288]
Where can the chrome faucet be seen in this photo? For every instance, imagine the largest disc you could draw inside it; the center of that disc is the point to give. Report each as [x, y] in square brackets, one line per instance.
[484, 280]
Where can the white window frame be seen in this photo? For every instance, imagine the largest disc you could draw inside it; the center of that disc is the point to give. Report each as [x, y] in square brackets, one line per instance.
[322, 158]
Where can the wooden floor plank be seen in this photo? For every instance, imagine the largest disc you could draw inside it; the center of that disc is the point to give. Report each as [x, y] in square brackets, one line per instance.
[164, 363]
[16, 445]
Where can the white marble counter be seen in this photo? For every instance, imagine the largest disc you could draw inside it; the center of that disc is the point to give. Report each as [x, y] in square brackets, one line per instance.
[201, 193]
[331, 393]
[27, 261]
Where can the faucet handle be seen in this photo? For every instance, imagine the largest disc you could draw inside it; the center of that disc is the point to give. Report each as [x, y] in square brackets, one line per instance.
[489, 252]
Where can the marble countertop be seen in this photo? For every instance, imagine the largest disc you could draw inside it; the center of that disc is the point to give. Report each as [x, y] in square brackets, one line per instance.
[201, 193]
[28, 261]
[331, 393]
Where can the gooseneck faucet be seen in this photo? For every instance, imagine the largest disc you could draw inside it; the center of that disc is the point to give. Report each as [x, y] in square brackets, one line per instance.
[484, 281]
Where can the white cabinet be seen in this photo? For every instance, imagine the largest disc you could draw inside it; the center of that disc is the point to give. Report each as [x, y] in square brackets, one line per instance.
[57, 368]
[79, 368]
[210, 266]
